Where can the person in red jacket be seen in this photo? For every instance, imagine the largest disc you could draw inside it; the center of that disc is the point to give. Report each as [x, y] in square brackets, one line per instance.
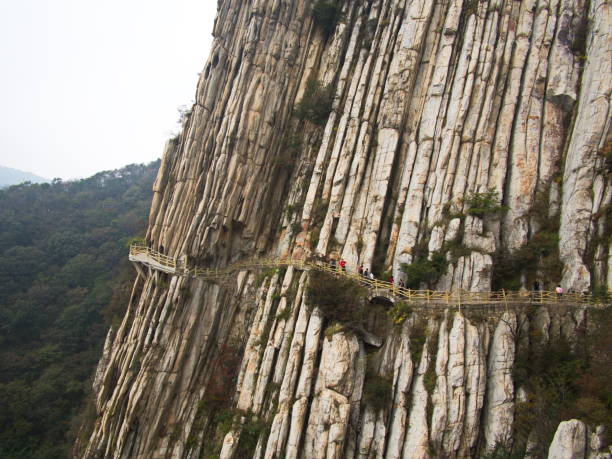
[343, 264]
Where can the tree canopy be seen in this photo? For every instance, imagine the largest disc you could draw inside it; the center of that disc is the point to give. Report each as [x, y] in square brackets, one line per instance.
[63, 279]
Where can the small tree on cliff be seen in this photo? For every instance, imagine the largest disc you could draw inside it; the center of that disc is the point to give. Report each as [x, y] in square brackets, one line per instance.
[482, 204]
[325, 14]
[316, 104]
[339, 298]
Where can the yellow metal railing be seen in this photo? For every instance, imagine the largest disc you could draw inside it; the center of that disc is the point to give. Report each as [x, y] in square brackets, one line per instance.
[455, 297]
[158, 257]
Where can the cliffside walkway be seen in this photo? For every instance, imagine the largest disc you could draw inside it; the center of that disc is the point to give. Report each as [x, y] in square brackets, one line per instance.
[378, 288]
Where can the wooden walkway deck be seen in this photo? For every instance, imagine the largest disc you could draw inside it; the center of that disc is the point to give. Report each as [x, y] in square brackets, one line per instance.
[460, 298]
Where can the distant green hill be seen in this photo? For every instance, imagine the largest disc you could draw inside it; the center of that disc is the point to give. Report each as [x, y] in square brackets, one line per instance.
[64, 277]
[10, 176]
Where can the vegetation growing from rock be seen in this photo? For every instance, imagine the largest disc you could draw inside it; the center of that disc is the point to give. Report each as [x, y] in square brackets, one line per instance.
[563, 381]
[332, 329]
[316, 104]
[501, 451]
[599, 244]
[59, 280]
[215, 414]
[537, 260]
[377, 389]
[220, 388]
[265, 274]
[289, 151]
[424, 270]
[430, 377]
[340, 299]
[418, 337]
[325, 14]
[484, 204]
[400, 312]
[252, 429]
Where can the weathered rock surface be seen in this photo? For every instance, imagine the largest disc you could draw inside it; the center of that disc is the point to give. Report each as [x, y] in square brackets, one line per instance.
[300, 392]
[498, 416]
[570, 441]
[431, 102]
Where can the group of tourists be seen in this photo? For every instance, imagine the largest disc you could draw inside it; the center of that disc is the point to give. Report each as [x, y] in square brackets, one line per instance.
[365, 273]
[340, 265]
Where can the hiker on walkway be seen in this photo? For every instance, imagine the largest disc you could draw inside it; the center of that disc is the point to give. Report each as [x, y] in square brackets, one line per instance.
[366, 273]
[343, 264]
[371, 276]
[535, 294]
[360, 270]
[559, 291]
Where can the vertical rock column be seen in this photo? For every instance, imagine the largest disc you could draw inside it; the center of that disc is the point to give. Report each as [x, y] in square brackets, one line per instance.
[582, 161]
[499, 408]
[342, 363]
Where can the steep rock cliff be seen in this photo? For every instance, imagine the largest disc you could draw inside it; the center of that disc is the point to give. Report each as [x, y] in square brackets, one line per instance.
[434, 107]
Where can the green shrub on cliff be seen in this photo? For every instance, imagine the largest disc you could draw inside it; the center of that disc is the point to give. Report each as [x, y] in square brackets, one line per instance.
[316, 104]
[253, 429]
[339, 298]
[538, 259]
[483, 204]
[563, 380]
[377, 389]
[325, 15]
[425, 270]
[399, 312]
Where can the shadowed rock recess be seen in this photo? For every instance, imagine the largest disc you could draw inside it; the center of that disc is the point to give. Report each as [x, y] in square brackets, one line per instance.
[385, 132]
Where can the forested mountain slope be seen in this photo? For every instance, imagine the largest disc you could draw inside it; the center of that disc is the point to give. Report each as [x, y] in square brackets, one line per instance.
[62, 269]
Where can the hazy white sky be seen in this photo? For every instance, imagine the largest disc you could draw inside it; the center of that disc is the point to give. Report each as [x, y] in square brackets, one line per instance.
[89, 85]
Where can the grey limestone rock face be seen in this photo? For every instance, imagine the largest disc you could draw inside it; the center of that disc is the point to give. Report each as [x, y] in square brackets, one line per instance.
[430, 103]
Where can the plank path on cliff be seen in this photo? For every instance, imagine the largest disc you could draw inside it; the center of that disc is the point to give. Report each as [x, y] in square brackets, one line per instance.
[378, 288]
